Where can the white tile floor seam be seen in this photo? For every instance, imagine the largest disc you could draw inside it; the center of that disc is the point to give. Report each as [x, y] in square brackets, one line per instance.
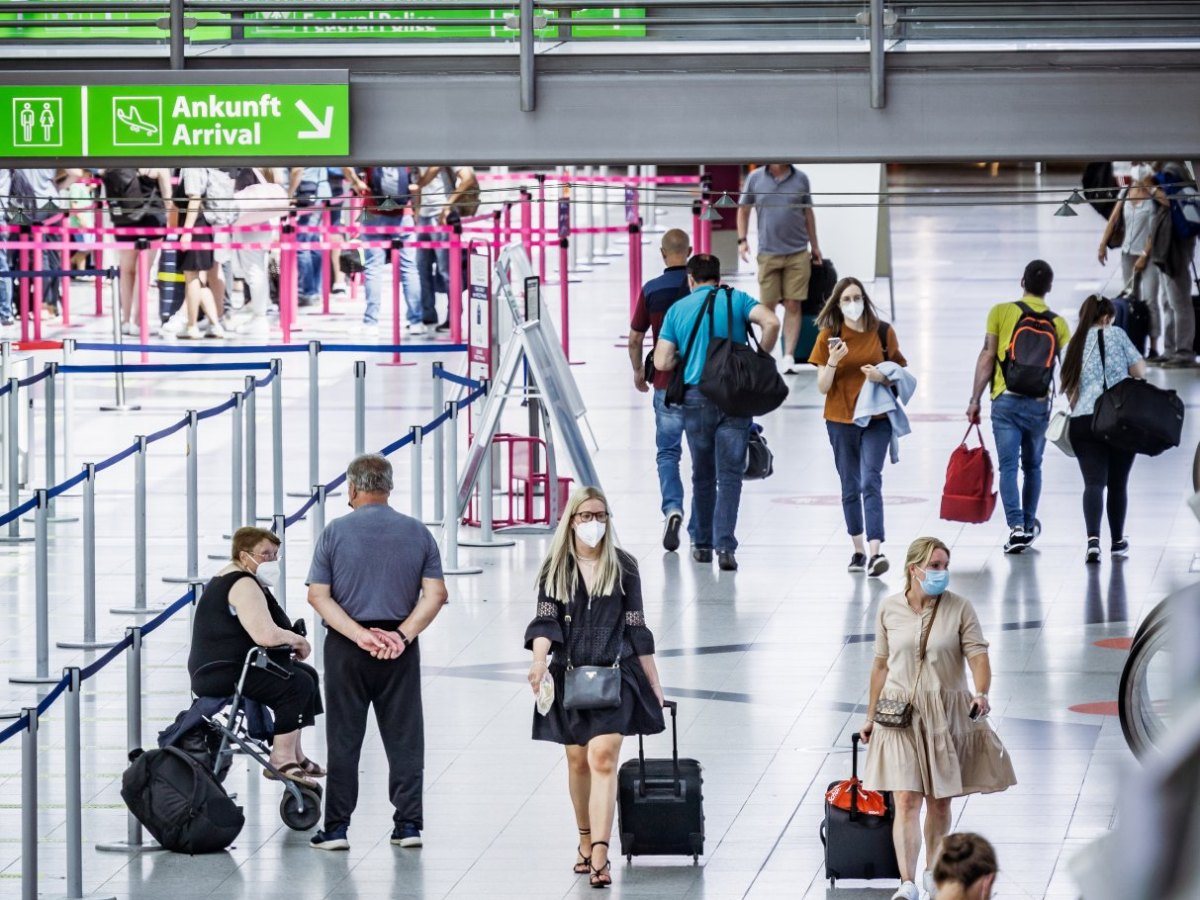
[769, 664]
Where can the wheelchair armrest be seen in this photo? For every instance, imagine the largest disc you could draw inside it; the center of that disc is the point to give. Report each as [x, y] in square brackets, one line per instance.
[260, 658]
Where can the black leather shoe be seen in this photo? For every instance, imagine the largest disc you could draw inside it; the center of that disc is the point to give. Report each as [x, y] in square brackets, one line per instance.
[701, 555]
[726, 561]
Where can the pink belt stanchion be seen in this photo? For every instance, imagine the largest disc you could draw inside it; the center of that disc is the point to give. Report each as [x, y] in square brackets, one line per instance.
[564, 305]
[99, 260]
[456, 286]
[287, 280]
[328, 257]
[527, 223]
[541, 180]
[635, 266]
[37, 293]
[496, 236]
[25, 262]
[697, 226]
[64, 286]
[394, 254]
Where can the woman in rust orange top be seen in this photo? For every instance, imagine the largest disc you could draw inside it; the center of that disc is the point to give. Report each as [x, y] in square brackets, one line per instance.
[852, 342]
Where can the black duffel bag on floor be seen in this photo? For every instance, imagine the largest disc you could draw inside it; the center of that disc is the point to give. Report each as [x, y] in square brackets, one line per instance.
[1135, 416]
[740, 379]
[180, 802]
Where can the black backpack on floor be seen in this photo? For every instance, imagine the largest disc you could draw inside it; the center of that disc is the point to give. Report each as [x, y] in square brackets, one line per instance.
[179, 802]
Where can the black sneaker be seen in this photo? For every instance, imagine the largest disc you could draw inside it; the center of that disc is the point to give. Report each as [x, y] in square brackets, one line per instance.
[1018, 540]
[702, 554]
[1120, 548]
[406, 834]
[671, 531]
[858, 563]
[878, 565]
[445, 326]
[726, 561]
[333, 839]
[1035, 532]
[1093, 551]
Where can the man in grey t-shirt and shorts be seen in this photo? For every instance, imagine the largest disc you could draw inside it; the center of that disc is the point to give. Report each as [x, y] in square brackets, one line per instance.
[376, 581]
[787, 243]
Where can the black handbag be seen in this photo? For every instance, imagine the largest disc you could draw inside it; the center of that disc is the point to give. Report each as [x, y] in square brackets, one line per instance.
[1135, 416]
[677, 386]
[740, 379]
[592, 687]
[760, 461]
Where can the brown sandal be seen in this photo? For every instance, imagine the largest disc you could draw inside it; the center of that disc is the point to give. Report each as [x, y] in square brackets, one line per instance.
[293, 772]
[312, 769]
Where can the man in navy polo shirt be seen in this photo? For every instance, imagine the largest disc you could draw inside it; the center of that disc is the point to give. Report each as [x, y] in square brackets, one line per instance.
[717, 440]
[657, 296]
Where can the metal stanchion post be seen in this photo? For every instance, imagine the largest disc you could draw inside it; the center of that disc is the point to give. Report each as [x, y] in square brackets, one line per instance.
[416, 486]
[12, 398]
[133, 739]
[89, 641]
[5, 364]
[450, 564]
[360, 407]
[235, 472]
[279, 526]
[277, 437]
[139, 535]
[118, 357]
[67, 391]
[314, 416]
[589, 236]
[439, 448]
[318, 520]
[193, 505]
[29, 805]
[251, 431]
[42, 586]
[50, 402]
[74, 789]
[486, 498]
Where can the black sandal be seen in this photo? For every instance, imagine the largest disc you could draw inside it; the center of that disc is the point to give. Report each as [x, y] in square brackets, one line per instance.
[585, 862]
[600, 877]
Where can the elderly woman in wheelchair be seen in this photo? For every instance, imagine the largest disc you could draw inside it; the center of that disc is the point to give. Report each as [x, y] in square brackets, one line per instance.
[243, 645]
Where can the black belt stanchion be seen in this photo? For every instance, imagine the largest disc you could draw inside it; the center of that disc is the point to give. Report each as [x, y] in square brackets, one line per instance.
[42, 605]
[89, 641]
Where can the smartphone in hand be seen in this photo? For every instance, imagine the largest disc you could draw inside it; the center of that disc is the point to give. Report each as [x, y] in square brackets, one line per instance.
[975, 711]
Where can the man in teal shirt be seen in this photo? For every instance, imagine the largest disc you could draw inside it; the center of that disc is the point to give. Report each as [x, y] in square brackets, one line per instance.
[717, 441]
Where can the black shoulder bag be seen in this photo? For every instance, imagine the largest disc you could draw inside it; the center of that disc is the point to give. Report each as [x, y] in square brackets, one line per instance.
[677, 387]
[1134, 415]
[740, 379]
[592, 687]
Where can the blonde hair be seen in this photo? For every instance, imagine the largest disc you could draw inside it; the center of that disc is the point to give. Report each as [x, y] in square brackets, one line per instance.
[920, 552]
[560, 569]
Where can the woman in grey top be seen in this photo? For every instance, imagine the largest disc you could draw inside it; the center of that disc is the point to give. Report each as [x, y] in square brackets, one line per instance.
[1136, 210]
[1086, 374]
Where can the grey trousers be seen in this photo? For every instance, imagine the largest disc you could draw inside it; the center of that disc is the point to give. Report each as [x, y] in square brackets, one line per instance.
[1179, 322]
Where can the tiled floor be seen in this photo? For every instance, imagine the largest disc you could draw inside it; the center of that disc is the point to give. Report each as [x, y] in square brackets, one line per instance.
[769, 664]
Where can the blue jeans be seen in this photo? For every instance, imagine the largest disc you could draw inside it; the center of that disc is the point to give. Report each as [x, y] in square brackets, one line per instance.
[718, 446]
[859, 454]
[433, 267]
[1019, 426]
[376, 262]
[668, 436]
[308, 262]
[6, 287]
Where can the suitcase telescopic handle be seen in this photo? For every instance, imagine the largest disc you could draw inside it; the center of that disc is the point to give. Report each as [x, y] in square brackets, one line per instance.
[855, 738]
[673, 707]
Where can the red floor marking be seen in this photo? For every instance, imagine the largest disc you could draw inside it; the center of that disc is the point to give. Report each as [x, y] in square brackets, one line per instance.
[1104, 708]
[1114, 643]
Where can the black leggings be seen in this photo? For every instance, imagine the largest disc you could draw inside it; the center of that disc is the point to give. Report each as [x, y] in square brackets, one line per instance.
[296, 701]
[1102, 466]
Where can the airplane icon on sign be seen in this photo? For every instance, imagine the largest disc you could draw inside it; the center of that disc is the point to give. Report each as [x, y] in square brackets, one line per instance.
[134, 122]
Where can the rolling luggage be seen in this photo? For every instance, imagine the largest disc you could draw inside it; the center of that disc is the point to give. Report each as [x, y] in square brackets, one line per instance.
[660, 804]
[858, 844]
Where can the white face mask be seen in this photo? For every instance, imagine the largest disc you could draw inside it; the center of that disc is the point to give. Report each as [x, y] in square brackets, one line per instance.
[852, 311]
[591, 533]
[268, 572]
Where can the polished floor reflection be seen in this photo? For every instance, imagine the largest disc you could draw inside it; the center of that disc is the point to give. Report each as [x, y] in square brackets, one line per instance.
[769, 664]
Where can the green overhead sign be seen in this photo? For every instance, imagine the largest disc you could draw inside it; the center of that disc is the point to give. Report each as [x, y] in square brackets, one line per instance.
[140, 121]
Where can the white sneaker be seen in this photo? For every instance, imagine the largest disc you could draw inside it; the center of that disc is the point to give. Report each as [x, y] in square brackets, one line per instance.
[339, 288]
[907, 891]
[927, 885]
[215, 331]
[415, 328]
[130, 329]
[174, 325]
[365, 329]
[191, 333]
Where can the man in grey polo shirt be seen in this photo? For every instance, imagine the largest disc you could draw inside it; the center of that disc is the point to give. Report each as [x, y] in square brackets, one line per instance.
[787, 243]
[376, 581]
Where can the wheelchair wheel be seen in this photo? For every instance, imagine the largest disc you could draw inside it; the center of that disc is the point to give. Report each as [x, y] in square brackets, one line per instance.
[296, 818]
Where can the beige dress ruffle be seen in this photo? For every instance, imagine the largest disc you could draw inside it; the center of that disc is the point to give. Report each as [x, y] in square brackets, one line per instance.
[943, 753]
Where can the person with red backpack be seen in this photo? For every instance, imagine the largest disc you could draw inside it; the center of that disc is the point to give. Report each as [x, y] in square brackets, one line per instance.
[1020, 351]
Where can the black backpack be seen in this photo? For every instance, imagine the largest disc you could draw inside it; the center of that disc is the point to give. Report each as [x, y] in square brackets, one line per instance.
[739, 379]
[131, 197]
[179, 802]
[24, 206]
[1032, 353]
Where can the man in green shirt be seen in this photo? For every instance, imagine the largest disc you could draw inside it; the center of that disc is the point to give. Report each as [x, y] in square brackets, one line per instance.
[1019, 417]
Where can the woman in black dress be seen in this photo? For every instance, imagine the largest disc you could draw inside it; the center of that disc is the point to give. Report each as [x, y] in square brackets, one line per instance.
[237, 612]
[590, 596]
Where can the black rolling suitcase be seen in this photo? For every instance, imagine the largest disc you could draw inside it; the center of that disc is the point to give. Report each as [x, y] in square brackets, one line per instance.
[660, 805]
[858, 845]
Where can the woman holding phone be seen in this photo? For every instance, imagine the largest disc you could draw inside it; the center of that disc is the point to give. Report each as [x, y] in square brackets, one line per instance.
[852, 343]
[925, 640]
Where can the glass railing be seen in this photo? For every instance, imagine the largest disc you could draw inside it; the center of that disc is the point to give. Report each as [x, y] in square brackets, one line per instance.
[423, 21]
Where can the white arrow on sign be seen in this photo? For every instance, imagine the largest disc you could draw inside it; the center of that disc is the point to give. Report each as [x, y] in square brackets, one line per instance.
[322, 130]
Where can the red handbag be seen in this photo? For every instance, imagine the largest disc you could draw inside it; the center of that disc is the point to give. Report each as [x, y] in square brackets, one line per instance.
[844, 794]
[968, 494]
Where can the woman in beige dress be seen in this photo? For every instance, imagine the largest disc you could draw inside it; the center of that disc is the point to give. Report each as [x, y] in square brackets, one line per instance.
[948, 750]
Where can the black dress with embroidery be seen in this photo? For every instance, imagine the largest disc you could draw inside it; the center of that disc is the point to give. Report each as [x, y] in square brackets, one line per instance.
[596, 639]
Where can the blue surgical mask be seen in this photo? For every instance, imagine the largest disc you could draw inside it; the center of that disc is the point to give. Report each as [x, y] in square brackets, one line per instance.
[935, 582]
